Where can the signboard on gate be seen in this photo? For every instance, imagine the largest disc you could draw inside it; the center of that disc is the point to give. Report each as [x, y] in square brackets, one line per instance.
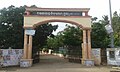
[30, 32]
[56, 13]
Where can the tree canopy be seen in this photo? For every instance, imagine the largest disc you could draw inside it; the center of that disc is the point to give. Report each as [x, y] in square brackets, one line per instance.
[11, 29]
[116, 28]
[99, 36]
[42, 33]
[70, 36]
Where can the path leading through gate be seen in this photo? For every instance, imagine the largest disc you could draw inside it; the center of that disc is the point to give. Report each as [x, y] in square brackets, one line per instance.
[51, 63]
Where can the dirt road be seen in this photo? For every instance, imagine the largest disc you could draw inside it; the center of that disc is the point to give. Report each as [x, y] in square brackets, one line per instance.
[51, 63]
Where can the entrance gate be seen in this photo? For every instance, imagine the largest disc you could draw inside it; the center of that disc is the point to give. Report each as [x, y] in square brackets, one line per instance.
[37, 16]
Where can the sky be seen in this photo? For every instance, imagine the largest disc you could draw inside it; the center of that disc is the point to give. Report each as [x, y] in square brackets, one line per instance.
[98, 8]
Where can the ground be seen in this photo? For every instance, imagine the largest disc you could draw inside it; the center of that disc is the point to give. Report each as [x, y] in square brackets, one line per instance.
[51, 63]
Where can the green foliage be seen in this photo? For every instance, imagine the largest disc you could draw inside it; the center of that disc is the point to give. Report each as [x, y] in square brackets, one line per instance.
[40, 38]
[42, 33]
[12, 32]
[116, 28]
[99, 37]
[94, 18]
[11, 27]
[55, 42]
[72, 36]
[69, 40]
[105, 20]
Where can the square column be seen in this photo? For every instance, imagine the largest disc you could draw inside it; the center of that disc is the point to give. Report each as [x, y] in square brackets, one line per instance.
[86, 49]
[84, 46]
[89, 43]
[27, 58]
[25, 46]
[88, 61]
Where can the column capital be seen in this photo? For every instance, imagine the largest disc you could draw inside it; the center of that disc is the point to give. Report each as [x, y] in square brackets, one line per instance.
[86, 28]
[89, 30]
[28, 27]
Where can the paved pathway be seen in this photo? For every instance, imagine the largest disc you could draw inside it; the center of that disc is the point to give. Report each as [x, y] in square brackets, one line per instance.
[50, 63]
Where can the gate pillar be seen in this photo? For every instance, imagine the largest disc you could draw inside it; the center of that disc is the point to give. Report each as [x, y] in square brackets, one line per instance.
[89, 44]
[25, 46]
[27, 60]
[86, 48]
[30, 50]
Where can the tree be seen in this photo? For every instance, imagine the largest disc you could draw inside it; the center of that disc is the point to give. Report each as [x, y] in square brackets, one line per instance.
[40, 39]
[11, 27]
[99, 36]
[42, 33]
[55, 42]
[72, 36]
[94, 18]
[116, 28]
[69, 36]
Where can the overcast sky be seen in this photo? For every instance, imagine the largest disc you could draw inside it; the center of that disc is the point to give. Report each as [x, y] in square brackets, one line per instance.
[98, 8]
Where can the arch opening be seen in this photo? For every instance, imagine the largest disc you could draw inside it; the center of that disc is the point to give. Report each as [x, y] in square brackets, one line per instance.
[57, 20]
